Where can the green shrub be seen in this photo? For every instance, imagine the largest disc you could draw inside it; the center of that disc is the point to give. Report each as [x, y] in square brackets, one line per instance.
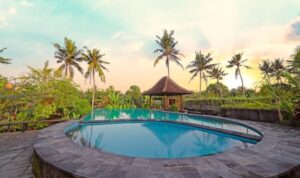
[227, 101]
[42, 94]
[173, 107]
[254, 105]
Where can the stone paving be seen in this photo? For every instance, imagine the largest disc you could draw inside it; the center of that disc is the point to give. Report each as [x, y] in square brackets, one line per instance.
[15, 154]
[276, 155]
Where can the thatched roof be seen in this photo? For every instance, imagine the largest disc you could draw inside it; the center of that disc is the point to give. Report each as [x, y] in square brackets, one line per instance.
[166, 86]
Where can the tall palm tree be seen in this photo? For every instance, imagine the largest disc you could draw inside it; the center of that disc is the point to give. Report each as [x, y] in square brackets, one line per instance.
[266, 69]
[217, 73]
[2, 59]
[200, 65]
[295, 62]
[69, 55]
[95, 65]
[167, 50]
[278, 68]
[237, 62]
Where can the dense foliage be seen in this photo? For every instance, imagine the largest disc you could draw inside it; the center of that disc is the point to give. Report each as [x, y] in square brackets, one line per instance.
[49, 93]
[42, 94]
[278, 90]
[46, 94]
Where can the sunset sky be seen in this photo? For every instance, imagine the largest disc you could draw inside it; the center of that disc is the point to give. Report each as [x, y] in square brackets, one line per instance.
[125, 31]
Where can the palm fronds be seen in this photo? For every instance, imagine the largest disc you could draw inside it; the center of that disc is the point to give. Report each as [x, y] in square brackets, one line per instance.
[69, 55]
[167, 49]
[4, 60]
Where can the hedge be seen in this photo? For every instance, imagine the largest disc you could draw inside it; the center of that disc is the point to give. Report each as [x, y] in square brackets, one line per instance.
[227, 101]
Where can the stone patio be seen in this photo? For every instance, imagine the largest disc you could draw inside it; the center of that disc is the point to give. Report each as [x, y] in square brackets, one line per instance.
[15, 154]
[276, 155]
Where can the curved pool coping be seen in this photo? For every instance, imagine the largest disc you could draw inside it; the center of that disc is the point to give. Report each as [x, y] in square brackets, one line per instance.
[277, 154]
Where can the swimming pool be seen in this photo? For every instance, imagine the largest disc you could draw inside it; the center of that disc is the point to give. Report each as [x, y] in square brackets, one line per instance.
[138, 113]
[154, 139]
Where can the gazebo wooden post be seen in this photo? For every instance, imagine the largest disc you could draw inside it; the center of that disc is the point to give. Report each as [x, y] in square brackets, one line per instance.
[165, 102]
[150, 103]
[181, 103]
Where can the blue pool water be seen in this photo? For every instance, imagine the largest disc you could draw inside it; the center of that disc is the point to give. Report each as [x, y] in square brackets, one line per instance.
[152, 139]
[111, 114]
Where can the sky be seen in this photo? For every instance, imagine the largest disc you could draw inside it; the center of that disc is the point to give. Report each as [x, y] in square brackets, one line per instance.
[125, 31]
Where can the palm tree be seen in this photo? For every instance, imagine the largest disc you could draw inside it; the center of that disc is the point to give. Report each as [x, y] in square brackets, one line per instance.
[95, 64]
[69, 56]
[266, 69]
[2, 59]
[278, 68]
[167, 49]
[200, 65]
[217, 73]
[237, 62]
[295, 62]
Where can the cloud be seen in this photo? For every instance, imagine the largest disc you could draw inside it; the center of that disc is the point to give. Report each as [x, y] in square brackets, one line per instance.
[5, 14]
[294, 30]
[26, 3]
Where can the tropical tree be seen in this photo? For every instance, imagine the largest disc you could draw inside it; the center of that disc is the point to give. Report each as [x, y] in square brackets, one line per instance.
[69, 56]
[214, 89]
[294, 64]
[200, 65]
[266, 69]
[167, 49]
[95, 65]
[278, 68]
[2, 59]
[217, 73]
[134, 93]
[43, 94]
[237, 62]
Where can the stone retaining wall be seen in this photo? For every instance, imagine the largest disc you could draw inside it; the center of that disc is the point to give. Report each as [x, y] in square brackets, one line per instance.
[251, 114]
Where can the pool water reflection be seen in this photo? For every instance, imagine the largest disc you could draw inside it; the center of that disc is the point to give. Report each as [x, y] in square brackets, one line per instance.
[111, 114]
[150, 139]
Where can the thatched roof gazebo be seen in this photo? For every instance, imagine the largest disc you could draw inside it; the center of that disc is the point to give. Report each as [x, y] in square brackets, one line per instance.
[170, 93]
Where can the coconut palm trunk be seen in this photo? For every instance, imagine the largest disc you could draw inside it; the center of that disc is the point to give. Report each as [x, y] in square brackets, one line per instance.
[94, 91]
[66, 71]
[200, 84]
[220, 88]
[243, 88]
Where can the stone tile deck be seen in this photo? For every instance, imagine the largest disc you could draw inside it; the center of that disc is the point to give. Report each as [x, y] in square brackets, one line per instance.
[15, 154]
[277, 154]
